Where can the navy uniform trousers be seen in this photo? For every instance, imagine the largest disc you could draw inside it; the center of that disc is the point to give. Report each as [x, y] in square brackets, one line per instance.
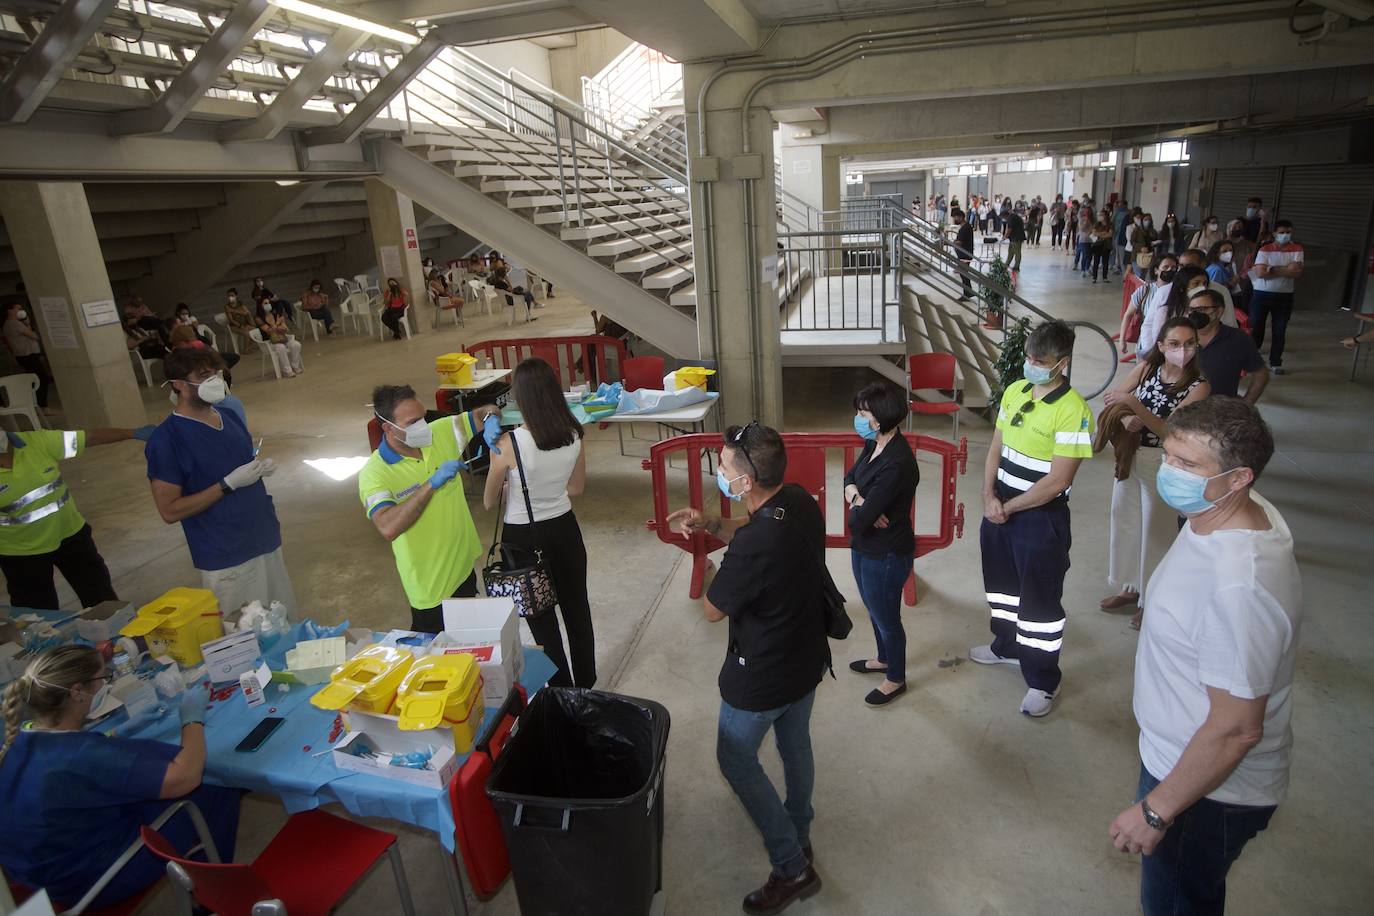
[1024, 564]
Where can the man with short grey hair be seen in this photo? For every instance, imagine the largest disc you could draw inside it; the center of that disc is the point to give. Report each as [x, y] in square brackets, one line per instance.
[1214, 667]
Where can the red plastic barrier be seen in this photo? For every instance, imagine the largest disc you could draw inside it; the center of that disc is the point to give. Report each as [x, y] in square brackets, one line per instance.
[592, 358]
[806, 456]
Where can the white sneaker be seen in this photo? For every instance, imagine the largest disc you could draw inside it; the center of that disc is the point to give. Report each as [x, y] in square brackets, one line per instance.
[1036, 703]
[984, 655]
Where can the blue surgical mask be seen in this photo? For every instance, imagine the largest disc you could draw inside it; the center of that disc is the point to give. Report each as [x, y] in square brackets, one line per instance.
[724, 484]
[1283, 238]
[1183, 490]
[862, 427]
[1037, 375]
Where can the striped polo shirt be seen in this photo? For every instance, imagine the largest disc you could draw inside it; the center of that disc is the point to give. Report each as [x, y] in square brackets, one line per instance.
[1035, 431]
[1276, 255]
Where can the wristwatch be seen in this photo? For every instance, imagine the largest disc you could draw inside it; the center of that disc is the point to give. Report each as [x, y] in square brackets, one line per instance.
[225, 488]
[1152, 817]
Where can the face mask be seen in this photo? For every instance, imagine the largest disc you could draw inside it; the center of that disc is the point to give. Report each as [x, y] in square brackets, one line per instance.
[314, 289]
[1251, 212]
[1283, 238]
[233, 298]
[1148, 223]
[723, 483]
[1182, 490]
[1211, 227]
[1037, 375]
[21, 314]
[862, 427]
[1178, 357]
[99, 696]
[1225, 257]
[212, 390]
[417, 435]
[1200, 319]
[1168, 275]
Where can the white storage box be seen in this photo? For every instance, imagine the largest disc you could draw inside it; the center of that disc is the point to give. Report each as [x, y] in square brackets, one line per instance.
[441, 768]
[229, 656]
[104, 621]
[488, 629]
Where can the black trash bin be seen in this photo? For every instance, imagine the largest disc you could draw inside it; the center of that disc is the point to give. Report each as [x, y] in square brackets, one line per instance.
[579, 789]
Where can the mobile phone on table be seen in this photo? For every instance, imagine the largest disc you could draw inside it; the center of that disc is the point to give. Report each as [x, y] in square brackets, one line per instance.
[260, 733]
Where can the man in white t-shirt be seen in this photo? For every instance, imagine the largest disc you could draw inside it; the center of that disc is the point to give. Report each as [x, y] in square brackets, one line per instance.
[1278, 265]
[1214, 667]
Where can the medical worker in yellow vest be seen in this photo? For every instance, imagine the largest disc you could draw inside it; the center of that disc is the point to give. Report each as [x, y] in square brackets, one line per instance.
[411, 490]
[40, 527]
[1044, 431]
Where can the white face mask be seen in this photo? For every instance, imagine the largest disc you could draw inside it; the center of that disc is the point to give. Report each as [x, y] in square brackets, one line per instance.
[417, 435]
[21, 314]
[1225, 257]
[99, 696]
[211, 391]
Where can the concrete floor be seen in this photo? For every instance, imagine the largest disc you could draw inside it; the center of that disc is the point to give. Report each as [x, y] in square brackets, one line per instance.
[947, 802]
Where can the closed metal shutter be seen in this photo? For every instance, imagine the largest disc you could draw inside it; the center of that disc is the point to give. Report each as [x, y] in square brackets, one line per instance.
[1231, 188]
[1328, 204]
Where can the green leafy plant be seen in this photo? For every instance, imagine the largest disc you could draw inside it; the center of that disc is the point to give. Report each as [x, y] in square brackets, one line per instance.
[1011, 360]
[993, 301]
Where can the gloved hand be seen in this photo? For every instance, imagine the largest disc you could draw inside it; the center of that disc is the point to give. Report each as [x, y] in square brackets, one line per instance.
[192, 705]
[245, 475]
[144, 433]
[445, 473]
[491, 432]
[269, 467]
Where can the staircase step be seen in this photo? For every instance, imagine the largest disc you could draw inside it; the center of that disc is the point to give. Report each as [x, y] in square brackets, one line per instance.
[641, 196]
[549, 217]
[685, 297]
[671, 278]
[619, 244]
[611, 228]
[517, 185]
[664, 254]
[519, 170]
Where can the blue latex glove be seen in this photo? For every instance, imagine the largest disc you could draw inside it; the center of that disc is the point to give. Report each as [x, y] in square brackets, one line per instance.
[144, 433]
[445, 473]
[491, 432]
[192, 705]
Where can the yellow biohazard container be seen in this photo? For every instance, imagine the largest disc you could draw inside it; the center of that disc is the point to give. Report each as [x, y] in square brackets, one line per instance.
[178, 623]
[367, 681]
[455, 368]
[442, 690]
[692, 376]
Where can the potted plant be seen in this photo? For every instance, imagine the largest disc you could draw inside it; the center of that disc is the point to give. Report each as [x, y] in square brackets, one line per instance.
[1010, 365]
[993, 300]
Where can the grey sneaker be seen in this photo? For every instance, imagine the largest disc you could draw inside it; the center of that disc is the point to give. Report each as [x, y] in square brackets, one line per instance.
[984, 655]
[1036, 703]
[1278, 370]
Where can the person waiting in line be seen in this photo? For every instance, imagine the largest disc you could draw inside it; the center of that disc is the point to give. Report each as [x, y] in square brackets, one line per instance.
[1143, 239]
[204, 473]
[1278, 267]
[280, 307]
[500, 280]
[771, 586]
[1083, 240]
[1169, 377]
[1255, 225]
[1101, 250]
[285, 347]
[1194, 257]
[1148, 298]
[1243, 247]
[879, 490]
[545, 456]
[75, 799]
[1043, 433]
[1057, 211]
[1208, 234]
[1121, 224]
[1214, 668]
[1171, 236]
[27, 348]
[241, 319]
[1035, 221]
[411, 491]
[315, 301]
[40, 527]
[963, 250]
[1227, 353]
[1014, 230]
[1187, 282]
[395, 301]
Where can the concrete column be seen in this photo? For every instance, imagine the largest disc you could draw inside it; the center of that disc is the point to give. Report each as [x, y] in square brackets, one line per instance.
[394, 232]
[59, 257]
[742, 330]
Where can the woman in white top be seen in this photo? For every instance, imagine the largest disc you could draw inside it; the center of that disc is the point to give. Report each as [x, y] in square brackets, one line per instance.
[550, 455]
[28, 351]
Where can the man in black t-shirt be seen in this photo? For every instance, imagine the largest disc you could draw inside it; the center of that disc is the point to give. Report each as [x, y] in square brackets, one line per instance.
[963, 250]
[1014, 228]
[771, 586]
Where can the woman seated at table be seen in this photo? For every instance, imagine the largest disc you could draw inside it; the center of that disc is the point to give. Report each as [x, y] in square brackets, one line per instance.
[395, 301]
[74, 800]
[284, 344]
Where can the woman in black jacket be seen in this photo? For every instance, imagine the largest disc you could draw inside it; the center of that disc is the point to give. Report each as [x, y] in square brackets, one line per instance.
[880, 489]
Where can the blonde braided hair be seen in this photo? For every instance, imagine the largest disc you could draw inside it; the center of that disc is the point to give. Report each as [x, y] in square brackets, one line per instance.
[45, 686]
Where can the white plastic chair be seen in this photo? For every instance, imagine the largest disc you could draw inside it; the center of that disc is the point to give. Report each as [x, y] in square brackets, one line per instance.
[346, 287]
[223, 321]
[440, 312]
[207, 335]
[146, 365]
[382, 329]
[267, 351]
[356, 308]
[310, 321]
[20, 393]
[476, 295]
[366, 285]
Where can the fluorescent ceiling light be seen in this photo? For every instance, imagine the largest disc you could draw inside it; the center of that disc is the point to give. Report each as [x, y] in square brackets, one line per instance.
[339, 17]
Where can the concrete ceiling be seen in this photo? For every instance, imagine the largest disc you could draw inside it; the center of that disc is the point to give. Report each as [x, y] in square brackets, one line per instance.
[773, 11]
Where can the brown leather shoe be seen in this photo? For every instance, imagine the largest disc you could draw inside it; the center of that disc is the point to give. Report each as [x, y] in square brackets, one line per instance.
[779, 893]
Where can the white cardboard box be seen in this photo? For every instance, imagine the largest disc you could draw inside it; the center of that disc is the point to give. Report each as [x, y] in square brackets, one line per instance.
[385, 727]
[443, 764]
[488, 629]
[104, 621]
[229, 656]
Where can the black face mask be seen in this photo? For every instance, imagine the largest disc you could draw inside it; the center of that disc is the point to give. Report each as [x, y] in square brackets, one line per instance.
[1236, 233]
[1199, 319]
[1168, 275]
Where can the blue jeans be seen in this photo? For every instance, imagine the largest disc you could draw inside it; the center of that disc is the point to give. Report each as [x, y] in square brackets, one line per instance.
[880, 581]
[1186, 874]
[1082, 256]
[786, 826]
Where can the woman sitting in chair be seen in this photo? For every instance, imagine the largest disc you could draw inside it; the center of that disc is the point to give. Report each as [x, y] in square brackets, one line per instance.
[395, 301]
[500, 281]
[74, 799]
[273, 329]
[440, 294]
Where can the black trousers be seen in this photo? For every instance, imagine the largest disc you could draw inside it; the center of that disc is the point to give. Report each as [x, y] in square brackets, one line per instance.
[963, 278]
[392, 319]
[431, 619]
[34, 363]
[30, 579]
[1024, 564]
[565, 555]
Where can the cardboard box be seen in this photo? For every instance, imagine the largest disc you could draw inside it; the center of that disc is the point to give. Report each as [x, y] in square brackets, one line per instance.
[488, 629]
[443, 765]
[385, 727]
[229, 656]
[104, 621]
[312, 661]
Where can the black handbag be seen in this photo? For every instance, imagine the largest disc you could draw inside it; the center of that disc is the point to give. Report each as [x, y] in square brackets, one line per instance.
[515, 571]
[837, 622]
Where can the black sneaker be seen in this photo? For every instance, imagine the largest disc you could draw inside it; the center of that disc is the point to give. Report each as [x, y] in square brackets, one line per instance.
[1278, 370]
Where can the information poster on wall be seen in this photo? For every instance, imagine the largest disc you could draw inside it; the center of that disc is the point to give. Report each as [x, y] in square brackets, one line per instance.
[100, 313]
[390, 257]
[768, 272]
[59, 334]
